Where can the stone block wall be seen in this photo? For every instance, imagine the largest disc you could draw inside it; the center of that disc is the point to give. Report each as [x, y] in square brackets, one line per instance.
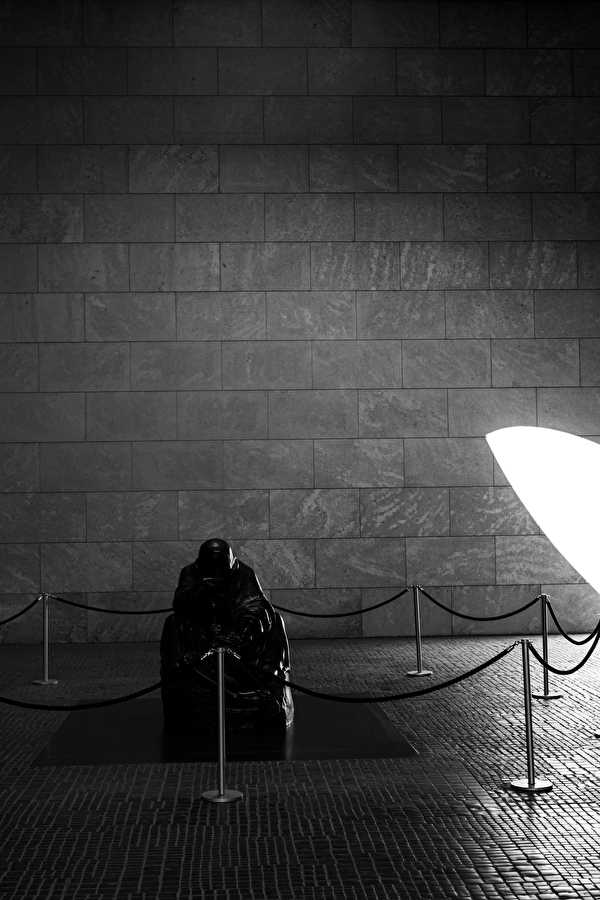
[270, 271]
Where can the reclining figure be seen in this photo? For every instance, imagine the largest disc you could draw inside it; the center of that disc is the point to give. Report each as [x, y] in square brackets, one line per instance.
[219, 602]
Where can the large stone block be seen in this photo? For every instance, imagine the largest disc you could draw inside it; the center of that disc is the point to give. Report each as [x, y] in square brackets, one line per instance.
[262, 71]
[264, 266]
[31, 518]
[566, 121]
[309, 217]
[531, 558]
[318, 315]
[17, 317]
[220, 217]
[20, 569]
[403, 24]
[19, 467]
[146, 626]
[174, 267]
[570, 409]
[208, 415]
[18, 367]
[31, 219]
[268, 464]
[353, 168]
[319, 601]
[488, 510]
[85, 467]
[111, 22]
[156, 564]
[493, 600]
[400, 314]
[26, 629]
[590, 361]
[36, 24]
[139, 515]
[58, 317]
[18, 268]
[398, 512]
[180, 365]
[42, 417]
[576, 606]
[280, 564]
[172, 168]
[83, 267]
[398, 217]
[128, 120]
[228, 514]
[407, 120]
[360, 562]
[359, 463]
[41, 120]
[486, 120]
[556, 25]
[434, 265]
[440, 72]
[587, 169]
[589, 264]
[543, 363]
[308, 120]
[450, 560]
[218, 120]
[566, 216]
[314, 514]
[227, 315]
[481, 217]
[567, 313]
[482, 314]
[530, 168]
[18, 169]
[442, 168]
[81, 70]
[130, 416]
[177, 465]
[162, 70]
[483, 24]
[526, 73]
[478, 411]
[18, 71]
[445, 363]
[397, 618]
[367, 265]
[130, 317]
[357, 364]
[84, 367]
[402, 413]
[104, 566]
[264, 168]
[313, 414]
[266, 364]
[86, 170]
[351, 71]
[448, 461]
[533, 264]
[306, 23]
[217, 23]
[128, 217]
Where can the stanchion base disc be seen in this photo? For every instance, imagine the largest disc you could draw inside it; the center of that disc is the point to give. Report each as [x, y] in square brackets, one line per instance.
[540, 696]
[225, 797]
[45, 681]
[419, 673]
[539, 786]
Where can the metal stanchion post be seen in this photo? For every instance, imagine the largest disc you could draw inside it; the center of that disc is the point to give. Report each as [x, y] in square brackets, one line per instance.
[221, 795]
[546, 694]
[419, 671]
[46, 680]
[531, 784]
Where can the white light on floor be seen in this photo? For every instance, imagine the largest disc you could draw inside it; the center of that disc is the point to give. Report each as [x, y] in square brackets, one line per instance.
[556, 475]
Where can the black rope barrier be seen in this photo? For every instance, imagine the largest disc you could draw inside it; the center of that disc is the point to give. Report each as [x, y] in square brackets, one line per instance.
[22, 612]
[455, 612]
[120, 612]
[92, 704]
[571, 640]
[573, 669]
[341, 615]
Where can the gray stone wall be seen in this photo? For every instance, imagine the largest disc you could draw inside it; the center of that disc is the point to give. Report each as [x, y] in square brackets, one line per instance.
[271, 271]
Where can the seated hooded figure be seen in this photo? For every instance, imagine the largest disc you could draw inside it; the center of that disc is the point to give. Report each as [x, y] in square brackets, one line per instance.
[219, 602]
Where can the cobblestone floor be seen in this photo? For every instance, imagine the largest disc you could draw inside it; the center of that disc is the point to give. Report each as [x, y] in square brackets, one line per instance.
[439, 825]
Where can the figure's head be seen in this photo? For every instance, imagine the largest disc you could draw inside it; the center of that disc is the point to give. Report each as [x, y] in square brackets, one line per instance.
[216, 559]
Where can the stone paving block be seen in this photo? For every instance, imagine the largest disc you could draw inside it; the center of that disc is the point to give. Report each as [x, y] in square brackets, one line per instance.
[570, 409]
[85, 466]
[216, 23]
[263, 71]
[30, 518]
[173, 168]
[161, 70]
[585, 73]
[488, 510]
[18, 367]
[266, 364]
[359, 463]
[564, 216]
[407, 120]
[18, 268]
[20, 570]
[567, 313]
[84, 367]
[400, 314]
[156, 564]
[397, 618]
[42, 417]
[306, 23]
[398, 512]
[556, 25]
[360, 562]
[86, 170]
[450, 560]
[81, 70]
[502, 314]
[32, 24]
[533, 264]
[589, 349]
[479, 411]
[313, 414]
[130, 416]
[309, 217]
[83, 267]
[442, 168]
[481, 217]
[403, 24]
[587, 169]
[485, 120]
[353, 168]
[230, 514]
[177, 365]
[18, 71]
[575, 605]
[128, 120]
[115, 628]
[445, 363]
[398, 217]
[41, 120]
[227, 315]
[19, 467]
[539, 362]
[279, 564]
[530, 168]
[264, 266]
[263, 168]
[102, 566]
[221, 217]
[319, 601]
[351, 71]
[492, 600]
[448, 461]
[468, 24]
[203, 415]
[17, 169]
[218, 120]
[111, 22]
[177, 465]
[572, 120]
[402, 413]
[588, 264]
[528, 72]
[174, 267]
[368, 265]
[357, 364]
[31, 219]
[318, 314]
[434, 265]
[129, 317]
[314, 514]
[308, 120]
[268, 464]
[127, 217]
[440, 72]
[530, 558]
[139, 515]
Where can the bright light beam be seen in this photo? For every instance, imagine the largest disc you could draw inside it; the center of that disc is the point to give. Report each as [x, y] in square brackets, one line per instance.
[556, 476]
